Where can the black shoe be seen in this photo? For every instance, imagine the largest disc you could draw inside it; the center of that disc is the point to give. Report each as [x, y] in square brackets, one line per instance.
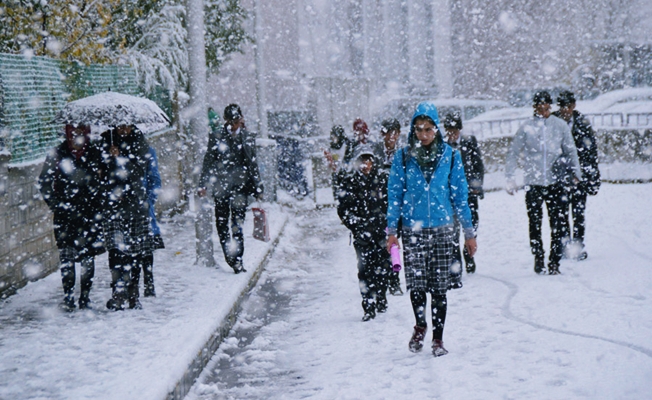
[396, 290]
[85, 303]
[539, 266]
[134, 304]
[238, 268]
[553, 269]
[115, 304]
[149, 291]
[369, 315]
[470, 266]
[68, 304]
[381, 306]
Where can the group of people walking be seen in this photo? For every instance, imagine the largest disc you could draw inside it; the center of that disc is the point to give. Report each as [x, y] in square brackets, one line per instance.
[419, 196]
[422, 194]
[102, 196]
[417, 192]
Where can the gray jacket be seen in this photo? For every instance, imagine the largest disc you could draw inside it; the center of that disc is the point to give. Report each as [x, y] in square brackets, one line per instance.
[542, 144]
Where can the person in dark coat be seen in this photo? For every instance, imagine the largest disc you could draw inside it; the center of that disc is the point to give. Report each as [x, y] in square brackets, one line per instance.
[146, 259]
[128, 237]
[384, 150]
[362, 207]
[587, 152]
[70, 183]
[474, 171]
[230, 174]
[335, 154]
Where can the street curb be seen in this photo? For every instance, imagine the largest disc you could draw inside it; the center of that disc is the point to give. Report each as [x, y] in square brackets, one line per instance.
[207, 351]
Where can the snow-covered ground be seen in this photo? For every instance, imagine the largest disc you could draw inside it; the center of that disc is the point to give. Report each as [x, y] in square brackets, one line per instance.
[134, 354]
[511, 334]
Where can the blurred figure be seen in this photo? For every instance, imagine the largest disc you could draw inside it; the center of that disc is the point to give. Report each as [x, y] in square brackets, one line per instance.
[360, 137]
[384, 150]
[587, 152]
[70, 185]
[362, 207]
[230, 175]
[152, 187]
[474, 171]
[335, 155]
[543, 143]
[125, 154]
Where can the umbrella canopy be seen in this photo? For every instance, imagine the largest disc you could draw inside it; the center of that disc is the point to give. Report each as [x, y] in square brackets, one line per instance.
[111, 109]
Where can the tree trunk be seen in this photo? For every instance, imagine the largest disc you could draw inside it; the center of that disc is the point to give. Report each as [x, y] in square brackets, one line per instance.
[198, 135]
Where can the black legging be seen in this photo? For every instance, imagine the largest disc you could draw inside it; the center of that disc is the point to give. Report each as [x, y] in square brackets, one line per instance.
[439, 306]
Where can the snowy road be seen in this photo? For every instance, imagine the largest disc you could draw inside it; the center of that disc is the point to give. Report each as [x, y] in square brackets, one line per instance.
[511, 334]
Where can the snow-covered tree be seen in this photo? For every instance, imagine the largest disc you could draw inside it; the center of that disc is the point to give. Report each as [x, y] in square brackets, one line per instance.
[73, 30]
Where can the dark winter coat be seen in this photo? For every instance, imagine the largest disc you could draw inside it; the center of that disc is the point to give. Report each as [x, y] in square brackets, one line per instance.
[230, 164]
[473, 165]
[70, 186]
[362, 204]
[124, 189]
[587, 152]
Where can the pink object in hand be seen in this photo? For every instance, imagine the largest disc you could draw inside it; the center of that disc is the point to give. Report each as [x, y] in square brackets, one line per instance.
[396, 258]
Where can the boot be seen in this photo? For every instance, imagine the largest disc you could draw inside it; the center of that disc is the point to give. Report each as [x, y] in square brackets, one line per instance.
[539, 265]
[148, 276]
[438, 349]
[369, 308]
[88, 272]
[238, 268]
[119, 288]
[416, 342]
[68, 282]
[381, 303]
[553, 269]
[133, 289]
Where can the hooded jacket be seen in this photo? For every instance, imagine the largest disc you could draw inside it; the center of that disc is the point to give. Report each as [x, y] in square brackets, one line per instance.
[422, 204]
[542, 142]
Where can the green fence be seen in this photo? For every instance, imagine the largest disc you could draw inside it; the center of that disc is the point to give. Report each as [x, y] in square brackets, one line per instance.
[32, 92]
[34, 89]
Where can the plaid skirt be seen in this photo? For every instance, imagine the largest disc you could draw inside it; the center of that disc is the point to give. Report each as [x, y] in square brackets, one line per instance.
[428, 255]
[132, 236]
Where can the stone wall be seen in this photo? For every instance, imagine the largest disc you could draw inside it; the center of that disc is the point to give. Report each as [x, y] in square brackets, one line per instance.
[27, 247]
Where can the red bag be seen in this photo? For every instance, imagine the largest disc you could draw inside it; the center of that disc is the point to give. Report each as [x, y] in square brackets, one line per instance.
[261, 228]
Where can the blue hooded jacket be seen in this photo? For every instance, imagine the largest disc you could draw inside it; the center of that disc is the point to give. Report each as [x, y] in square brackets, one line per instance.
[431, 204]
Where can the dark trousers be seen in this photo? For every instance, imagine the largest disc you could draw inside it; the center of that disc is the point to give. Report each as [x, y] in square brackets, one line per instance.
[68, 277]
[439, 305]
[577, 198]
[145, 262]
[553, 196]
[373, 274]
[475, 218]
[233, 208]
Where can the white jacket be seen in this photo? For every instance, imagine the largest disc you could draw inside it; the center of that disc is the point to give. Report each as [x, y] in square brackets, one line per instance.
[541, 142]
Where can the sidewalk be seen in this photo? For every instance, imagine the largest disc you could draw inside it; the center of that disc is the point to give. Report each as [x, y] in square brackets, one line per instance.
[154, 353]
